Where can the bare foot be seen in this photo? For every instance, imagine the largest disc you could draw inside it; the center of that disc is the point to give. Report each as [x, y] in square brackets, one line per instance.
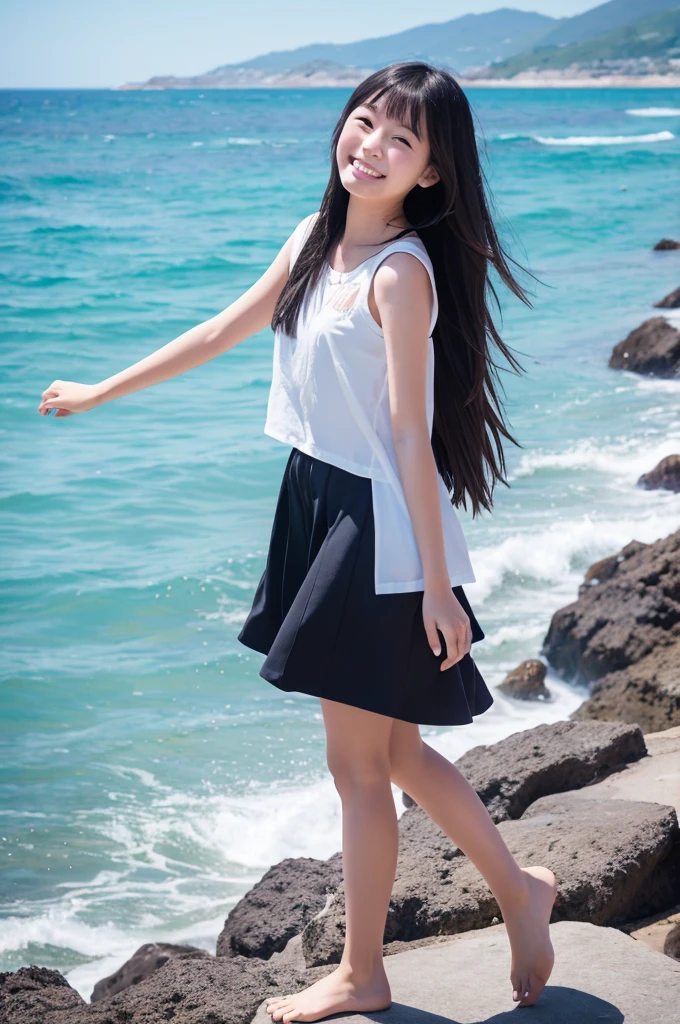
[527, 926]
[335, 993]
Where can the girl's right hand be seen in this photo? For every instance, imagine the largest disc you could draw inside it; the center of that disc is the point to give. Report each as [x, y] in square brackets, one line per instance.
[66, 396]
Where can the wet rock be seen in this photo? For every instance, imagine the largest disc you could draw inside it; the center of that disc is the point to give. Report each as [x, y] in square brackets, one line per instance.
[142, 964]
[628, 606]
[550, 758]
[653, 348]
[665, 244]
[279, 906]
[526, 682]
[664, 476]
[647, 693]
[670, 301]
[613, 859]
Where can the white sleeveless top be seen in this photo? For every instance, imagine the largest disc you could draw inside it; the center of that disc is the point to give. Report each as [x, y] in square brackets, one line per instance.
[329, 398]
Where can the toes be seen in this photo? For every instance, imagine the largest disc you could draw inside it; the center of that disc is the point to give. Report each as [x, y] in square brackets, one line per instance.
[278, 1011]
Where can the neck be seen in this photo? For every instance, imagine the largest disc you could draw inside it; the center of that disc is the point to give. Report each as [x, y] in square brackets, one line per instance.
[372, 223]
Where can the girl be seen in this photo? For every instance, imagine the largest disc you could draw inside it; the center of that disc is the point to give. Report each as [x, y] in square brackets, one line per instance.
[364, 573]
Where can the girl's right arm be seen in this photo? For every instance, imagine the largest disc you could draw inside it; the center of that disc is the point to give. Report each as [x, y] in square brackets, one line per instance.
[247, 315]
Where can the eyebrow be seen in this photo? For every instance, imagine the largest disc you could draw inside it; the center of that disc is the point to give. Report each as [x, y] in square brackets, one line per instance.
[374, 108]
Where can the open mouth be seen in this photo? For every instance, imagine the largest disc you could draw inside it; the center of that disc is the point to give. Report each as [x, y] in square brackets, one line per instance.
[363, 174]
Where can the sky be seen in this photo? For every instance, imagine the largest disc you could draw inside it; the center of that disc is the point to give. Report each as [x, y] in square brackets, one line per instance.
[97, 44]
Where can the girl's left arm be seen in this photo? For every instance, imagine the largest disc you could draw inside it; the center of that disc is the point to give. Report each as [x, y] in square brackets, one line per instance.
[403, 295]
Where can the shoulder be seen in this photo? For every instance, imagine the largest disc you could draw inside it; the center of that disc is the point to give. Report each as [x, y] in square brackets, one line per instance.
[407, 271]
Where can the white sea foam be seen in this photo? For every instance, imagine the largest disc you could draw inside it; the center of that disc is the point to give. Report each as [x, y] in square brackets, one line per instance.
[654, 112]
[625, 459]
[557, 554]
[602, 140]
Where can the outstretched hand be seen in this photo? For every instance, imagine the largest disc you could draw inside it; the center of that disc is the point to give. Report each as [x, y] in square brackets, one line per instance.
[442, 610]
[66, 396]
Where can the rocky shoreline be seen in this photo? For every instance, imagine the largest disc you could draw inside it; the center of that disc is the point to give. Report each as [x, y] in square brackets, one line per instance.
[595, 798]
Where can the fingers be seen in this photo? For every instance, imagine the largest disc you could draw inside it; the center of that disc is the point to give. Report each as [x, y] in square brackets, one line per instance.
[458, 641]
[432, 636]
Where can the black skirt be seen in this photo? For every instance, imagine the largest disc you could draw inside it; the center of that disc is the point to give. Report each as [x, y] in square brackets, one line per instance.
[326, 632]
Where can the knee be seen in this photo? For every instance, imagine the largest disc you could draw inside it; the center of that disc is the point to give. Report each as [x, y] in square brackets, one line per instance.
[406, 754]
[358, 774]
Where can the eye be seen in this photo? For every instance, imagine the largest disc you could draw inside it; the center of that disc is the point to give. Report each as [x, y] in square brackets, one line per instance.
[399, 137]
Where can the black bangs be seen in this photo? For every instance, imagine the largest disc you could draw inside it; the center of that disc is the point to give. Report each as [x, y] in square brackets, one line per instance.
[402, 104]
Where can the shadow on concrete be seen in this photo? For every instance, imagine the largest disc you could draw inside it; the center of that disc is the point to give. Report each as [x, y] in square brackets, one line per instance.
[555, 1005]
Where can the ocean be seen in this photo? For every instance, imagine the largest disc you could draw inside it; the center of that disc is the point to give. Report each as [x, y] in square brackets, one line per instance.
[150, 776]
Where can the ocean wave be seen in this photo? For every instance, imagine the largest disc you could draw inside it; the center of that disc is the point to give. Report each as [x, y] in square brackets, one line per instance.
[654, 112]
[602, 140]
[625, 460]
[557, 555]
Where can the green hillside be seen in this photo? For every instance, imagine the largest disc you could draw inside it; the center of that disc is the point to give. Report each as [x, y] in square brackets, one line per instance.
[656, 37]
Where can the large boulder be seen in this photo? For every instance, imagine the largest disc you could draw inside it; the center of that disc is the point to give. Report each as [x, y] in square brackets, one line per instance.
[628, 606]
[653, 348]
[615, 860]
[185, 990]
[666, 245]
[550, 758]
[670, 301]
[526, 681]
[142, 964]
[39, 995]
[665, 475]
[279, 906]
[647, 692]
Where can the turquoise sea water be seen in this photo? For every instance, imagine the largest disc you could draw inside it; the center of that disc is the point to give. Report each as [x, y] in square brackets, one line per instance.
[149, 775]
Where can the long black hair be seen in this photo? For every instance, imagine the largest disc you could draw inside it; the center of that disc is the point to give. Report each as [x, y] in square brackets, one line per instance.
[453, 220]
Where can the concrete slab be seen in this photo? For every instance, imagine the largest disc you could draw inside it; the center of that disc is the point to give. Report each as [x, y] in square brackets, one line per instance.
[601, 976]
[655, 778]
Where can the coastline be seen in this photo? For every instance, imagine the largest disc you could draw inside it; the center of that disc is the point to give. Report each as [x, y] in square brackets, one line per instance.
[322, 80]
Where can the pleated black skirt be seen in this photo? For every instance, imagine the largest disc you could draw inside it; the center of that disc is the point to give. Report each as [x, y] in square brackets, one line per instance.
[323, 628]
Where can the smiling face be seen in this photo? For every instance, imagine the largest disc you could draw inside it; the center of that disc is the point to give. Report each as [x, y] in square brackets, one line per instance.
[380, 156]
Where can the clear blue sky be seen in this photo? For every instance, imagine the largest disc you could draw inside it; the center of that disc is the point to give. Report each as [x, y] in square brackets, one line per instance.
[99, 43]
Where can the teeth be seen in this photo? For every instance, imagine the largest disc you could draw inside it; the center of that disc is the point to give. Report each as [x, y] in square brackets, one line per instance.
[365, 169]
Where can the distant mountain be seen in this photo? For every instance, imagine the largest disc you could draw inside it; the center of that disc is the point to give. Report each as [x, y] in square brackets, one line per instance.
[603, 18]
[652, 41]
[469, 41]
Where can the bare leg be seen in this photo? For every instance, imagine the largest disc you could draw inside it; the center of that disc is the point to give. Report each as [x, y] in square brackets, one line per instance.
[525, 895]
[358, 756]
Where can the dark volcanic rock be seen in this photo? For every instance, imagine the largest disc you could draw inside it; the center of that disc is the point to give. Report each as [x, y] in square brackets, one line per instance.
[652, 348]
[526, 682]
[614, 860]
[665, 475]
[666, 244]
[671, 945]
[279, 906]
[33, 994]
[626, 611]
[670, 301]
[203, 990]
[510, 774]
[142, 964]
[647, 693]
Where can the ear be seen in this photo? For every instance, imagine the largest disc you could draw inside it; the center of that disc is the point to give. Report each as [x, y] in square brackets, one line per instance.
[429, 177]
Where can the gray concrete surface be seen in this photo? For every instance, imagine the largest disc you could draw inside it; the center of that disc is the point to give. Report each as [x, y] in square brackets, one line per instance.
[601, 976]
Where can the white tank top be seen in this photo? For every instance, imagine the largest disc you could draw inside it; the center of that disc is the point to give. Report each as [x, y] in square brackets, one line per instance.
[329, 398]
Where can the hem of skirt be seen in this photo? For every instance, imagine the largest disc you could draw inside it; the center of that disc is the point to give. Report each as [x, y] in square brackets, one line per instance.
[381, 711]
